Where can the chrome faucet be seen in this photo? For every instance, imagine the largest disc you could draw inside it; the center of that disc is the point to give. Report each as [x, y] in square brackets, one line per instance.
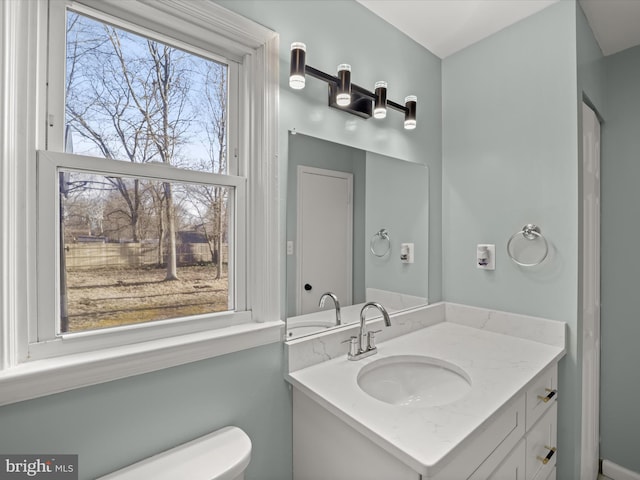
[333, 297]
[364, 344]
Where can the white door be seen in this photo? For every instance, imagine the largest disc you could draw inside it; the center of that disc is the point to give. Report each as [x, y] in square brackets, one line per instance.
[590, 294]
[325, 237]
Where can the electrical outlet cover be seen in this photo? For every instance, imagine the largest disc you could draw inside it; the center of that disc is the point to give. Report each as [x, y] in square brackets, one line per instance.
[491, 256]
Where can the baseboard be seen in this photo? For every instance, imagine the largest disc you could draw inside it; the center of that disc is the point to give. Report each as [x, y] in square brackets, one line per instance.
[616, 472]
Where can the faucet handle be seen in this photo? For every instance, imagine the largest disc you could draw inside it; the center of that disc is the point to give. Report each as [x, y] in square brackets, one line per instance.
[353, 346]
[371, 339]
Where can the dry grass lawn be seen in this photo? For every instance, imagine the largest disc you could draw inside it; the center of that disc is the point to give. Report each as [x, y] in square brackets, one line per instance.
[109, 297]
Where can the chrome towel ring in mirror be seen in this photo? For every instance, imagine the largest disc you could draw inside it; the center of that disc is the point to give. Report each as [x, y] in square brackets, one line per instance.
[381, 240]
[529, 232]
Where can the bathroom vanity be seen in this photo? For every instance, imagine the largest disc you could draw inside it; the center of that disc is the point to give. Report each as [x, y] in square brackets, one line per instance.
[470, 394]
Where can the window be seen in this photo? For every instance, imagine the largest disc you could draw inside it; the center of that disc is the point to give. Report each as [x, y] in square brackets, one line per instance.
[135, 249]
[150, 198]
[96, 277]
[113, 273]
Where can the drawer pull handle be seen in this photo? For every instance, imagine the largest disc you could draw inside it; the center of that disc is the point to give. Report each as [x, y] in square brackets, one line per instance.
[549, 396]
[545, 460]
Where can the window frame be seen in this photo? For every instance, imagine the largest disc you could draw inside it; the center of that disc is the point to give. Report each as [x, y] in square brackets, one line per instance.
[45, 341]
[26, 372]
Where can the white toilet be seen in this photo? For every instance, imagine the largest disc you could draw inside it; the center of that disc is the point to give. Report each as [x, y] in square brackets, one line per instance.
[221, 455]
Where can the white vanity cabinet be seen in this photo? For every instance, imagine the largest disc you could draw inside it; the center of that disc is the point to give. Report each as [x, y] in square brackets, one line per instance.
[516, 443]
[528, 460]
[534, 457]
[326, 448]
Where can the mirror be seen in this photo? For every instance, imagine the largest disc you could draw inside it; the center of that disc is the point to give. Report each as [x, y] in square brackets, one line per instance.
[351, 214]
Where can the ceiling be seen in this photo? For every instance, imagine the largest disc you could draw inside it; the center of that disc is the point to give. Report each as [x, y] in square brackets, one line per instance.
[615, 23]
[446, 26]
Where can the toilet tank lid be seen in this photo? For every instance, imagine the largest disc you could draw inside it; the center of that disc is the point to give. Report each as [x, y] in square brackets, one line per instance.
[220, 455]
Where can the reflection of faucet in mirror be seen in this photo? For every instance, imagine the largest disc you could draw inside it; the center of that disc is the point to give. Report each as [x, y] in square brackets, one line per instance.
[364, 344]
[333, 297]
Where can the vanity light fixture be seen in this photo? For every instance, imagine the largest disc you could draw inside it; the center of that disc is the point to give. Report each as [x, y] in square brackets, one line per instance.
[348, 96]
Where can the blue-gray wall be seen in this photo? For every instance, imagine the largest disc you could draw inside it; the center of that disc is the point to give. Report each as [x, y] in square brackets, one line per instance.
[620, 320]
[119, 422]
[398, 201]
[510, 158]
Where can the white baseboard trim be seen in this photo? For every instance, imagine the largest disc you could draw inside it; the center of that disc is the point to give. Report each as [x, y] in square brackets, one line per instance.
[616, 472]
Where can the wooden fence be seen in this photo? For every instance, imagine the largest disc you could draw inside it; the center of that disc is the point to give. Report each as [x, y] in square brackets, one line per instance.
[128, 255]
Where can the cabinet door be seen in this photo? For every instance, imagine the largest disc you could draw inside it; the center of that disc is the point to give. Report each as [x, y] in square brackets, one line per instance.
[513, 466]
[541, 444]
[326, 448]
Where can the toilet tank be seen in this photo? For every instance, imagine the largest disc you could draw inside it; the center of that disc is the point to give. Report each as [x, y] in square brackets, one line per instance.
[221, 455]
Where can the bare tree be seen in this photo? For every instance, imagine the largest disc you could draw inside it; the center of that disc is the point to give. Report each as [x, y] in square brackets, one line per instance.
[167, 128]
[210, 203]
[100, 103]
[133, 105]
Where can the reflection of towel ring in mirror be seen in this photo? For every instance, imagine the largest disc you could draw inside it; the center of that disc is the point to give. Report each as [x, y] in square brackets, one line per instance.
[382, 235]
[529, 232]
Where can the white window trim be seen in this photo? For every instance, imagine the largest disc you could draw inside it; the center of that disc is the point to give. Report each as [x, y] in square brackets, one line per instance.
[22, 130]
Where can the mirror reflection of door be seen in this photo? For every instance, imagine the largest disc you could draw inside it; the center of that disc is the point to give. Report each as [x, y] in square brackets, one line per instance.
[325, 237]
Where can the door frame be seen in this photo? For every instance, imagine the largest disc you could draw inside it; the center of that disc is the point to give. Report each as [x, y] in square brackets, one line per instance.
[590, 260]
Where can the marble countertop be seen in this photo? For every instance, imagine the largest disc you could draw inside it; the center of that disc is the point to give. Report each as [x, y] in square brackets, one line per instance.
[500, 367]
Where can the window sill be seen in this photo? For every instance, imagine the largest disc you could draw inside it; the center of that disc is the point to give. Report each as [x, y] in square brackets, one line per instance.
[54, 375]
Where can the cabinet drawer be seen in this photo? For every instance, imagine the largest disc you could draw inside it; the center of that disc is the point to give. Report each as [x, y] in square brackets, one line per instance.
[540, 440]
[544, 388]
[512, 467]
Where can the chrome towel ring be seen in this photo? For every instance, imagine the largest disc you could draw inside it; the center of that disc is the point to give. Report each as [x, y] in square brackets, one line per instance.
[380, 237]
[529, 232]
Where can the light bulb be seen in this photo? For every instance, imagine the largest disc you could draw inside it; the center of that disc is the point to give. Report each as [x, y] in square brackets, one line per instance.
[410, 115]
[380, 106]
[343, 96]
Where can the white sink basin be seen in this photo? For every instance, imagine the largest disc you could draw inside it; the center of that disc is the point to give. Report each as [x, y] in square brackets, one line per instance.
[414, 381]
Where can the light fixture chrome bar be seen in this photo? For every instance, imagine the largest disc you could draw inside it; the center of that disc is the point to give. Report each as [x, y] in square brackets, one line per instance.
[325, 77]
[320, 75]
